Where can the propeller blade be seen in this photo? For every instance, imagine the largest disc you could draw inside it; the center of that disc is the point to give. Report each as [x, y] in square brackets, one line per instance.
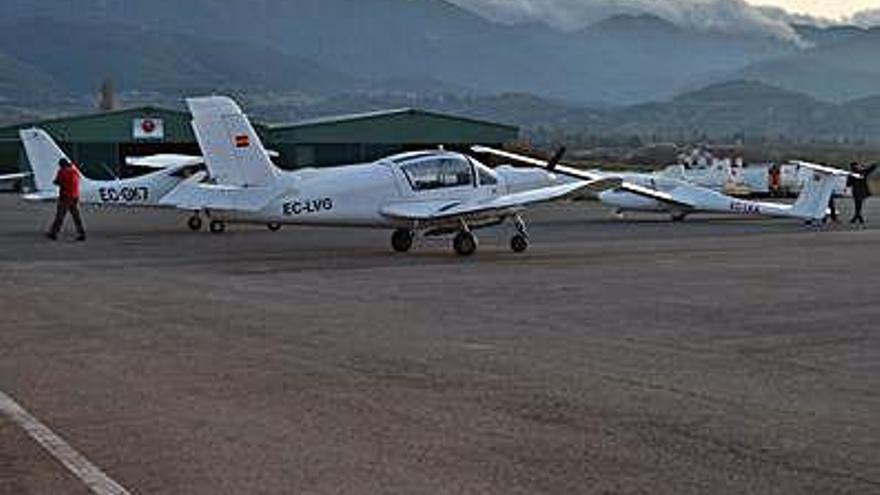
[557, 157]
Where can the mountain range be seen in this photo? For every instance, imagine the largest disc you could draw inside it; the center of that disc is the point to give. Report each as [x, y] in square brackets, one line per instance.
[308, 56]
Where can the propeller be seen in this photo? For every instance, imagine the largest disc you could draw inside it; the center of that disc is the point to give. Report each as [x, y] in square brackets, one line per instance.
[557, 157]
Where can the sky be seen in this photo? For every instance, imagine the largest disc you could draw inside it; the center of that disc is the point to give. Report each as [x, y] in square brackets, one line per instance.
[731, 16]
[823, 8]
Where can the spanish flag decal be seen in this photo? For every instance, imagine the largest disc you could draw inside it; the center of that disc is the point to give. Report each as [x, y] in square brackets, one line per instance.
[242, 141]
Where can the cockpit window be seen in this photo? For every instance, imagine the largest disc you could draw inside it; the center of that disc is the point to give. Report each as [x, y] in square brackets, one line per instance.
[438, 173]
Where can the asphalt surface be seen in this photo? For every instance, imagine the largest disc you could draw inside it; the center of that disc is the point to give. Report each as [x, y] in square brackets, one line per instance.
[722, 356]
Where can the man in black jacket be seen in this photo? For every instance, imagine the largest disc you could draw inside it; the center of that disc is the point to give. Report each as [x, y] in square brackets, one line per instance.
[860, 189]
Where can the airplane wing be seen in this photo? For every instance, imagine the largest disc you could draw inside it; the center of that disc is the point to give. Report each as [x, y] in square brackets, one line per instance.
[14, 176]
[661, 196]
[440, 209]
[581, 174]
[823, 169]
[164, 161]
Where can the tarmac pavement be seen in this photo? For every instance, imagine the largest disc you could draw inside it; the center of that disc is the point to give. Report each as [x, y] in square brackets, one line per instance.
[718, 355]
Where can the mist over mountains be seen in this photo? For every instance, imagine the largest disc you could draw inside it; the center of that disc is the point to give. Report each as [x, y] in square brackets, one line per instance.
[307, 56]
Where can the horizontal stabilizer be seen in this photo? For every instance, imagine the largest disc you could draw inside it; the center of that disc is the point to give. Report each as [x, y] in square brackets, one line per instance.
[192, 195]
[826, 170]
[14, 176]
[40, 196]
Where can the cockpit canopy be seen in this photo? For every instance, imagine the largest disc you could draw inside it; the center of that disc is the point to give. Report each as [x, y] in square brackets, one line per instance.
[430, 171]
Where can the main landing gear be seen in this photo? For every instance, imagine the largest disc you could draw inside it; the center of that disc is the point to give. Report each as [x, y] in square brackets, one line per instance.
[402, 240]
[274, 227]
[464, 242]
[217, 226]
[194, 223]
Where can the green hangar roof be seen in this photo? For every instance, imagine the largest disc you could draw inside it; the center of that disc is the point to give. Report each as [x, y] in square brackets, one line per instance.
[401, 126]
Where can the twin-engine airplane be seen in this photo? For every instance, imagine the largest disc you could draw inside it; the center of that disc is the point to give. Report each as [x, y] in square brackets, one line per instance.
[416, 194]
[143, 191]
[653, 193]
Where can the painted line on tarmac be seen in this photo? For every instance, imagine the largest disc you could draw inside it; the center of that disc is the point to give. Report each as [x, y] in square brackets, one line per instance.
[91, 475]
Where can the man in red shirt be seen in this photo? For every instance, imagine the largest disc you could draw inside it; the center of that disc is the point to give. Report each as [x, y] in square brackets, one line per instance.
[67, 180]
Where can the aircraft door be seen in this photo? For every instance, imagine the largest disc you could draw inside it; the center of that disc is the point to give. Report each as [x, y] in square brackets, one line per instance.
[439, 177]
[488, 184]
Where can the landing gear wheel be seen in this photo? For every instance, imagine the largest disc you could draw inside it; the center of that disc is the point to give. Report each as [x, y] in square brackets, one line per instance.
[465, 244]
[274, 227]
[519, 243]
[194, 223]
[678, 217]
[217, 226]
[402, 240]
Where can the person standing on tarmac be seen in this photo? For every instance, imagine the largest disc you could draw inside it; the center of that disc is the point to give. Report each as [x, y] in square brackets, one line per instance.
[67, 180]
[860, 189]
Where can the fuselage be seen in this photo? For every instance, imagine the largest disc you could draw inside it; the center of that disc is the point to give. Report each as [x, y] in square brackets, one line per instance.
[707, 200]
[354, 195]
[142, 191]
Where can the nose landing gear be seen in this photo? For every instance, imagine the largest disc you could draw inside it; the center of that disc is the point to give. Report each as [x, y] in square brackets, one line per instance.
[520, 241]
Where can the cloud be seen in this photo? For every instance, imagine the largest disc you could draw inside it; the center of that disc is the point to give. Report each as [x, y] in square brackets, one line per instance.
[867, 18]
[728, 16]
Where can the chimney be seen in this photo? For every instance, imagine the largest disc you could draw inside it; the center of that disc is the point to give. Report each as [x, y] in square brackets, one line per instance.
[107, 100]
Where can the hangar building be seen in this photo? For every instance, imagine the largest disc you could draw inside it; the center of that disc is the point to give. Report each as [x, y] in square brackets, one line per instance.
[100, 142]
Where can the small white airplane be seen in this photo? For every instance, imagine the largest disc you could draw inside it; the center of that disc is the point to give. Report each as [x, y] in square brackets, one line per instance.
[143, 191]
[653, 193]
[416, 194]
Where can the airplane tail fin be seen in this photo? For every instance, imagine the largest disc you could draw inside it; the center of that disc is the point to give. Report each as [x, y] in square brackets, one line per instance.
[812, 202]
[43, 154]
[233, 152]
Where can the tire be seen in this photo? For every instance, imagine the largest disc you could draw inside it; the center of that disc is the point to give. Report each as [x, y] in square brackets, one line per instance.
[402, 240]
[519, 243]
[217, 227]
[465, 244]
[194, 223]
[274, 227]
[678, 217]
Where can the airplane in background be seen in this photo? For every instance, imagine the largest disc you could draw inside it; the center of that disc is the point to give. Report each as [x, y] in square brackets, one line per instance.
[653, 193]
[416, 194]
[144, 191]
